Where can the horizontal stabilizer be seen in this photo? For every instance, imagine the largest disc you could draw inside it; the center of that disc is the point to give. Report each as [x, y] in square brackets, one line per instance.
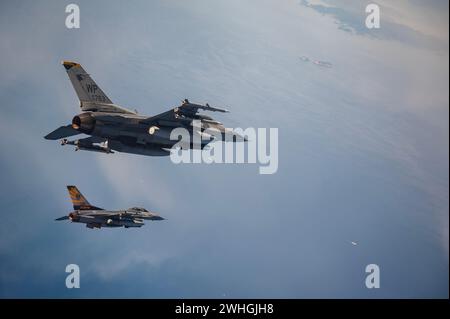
[61, 132]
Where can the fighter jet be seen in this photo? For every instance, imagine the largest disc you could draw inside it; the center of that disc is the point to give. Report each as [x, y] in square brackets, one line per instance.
[95, 217]
[114, 128]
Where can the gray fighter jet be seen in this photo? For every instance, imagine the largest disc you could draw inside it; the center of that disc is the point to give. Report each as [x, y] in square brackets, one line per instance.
[115, 128]
[95, 217]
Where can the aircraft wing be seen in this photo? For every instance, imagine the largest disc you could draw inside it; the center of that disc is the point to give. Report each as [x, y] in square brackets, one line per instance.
[126, 214]
[166, 116]
[102, 213]
[61, 132]
[186, 109]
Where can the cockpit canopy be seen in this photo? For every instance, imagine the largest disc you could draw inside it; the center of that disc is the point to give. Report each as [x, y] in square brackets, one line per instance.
[138, 209]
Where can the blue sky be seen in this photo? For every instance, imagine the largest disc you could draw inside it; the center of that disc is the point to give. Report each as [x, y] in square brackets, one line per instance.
[363, 152]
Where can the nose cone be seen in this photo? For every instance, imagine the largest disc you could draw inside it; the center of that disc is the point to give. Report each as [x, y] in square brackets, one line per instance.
[156, 217]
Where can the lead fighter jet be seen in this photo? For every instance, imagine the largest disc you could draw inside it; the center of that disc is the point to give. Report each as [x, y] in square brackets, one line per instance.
[115, 128]
[95, 217]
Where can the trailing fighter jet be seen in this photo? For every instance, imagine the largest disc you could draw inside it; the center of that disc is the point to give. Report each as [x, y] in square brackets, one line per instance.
[115, 128]
[95, 217]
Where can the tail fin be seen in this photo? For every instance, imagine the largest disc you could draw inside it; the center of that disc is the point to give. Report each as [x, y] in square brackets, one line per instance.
[85, 87]
[78, 200]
